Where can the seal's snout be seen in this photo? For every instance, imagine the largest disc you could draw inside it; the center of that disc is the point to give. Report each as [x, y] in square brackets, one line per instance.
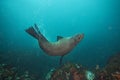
[81, 36]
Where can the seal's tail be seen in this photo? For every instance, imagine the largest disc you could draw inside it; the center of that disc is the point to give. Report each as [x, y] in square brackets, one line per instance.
[33, 32]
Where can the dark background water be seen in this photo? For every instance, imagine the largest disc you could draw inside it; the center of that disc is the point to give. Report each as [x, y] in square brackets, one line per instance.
[99, 20]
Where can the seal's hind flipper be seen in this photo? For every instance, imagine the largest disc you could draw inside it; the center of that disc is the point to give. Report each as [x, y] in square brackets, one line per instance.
[32, 32]
[36, 27]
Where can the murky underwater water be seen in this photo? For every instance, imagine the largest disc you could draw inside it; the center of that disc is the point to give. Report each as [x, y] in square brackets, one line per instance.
[98, 20]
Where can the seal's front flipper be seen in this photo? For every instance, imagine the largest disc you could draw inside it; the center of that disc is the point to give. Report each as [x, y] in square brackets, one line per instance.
[61, 58]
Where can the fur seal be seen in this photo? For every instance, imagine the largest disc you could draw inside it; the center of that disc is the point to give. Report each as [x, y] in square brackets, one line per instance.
[61, 47]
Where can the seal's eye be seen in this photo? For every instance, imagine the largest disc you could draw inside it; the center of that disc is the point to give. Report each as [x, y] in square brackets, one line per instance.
[79, 37]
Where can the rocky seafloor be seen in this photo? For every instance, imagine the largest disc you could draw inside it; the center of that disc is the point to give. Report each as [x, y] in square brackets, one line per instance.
[67, 71]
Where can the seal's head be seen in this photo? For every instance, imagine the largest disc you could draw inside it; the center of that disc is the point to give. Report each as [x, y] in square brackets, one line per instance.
[77, 38]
